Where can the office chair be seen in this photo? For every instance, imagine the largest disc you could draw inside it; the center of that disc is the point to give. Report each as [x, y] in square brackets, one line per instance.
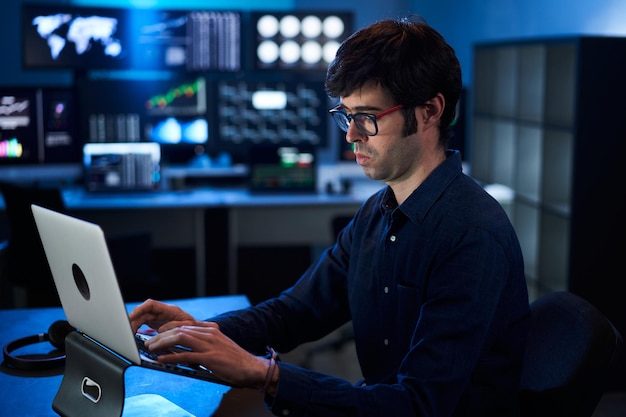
[572, 348]
[25, 263]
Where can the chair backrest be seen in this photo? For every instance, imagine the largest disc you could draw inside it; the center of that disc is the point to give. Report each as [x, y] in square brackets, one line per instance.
[26, 263]
[571, 349]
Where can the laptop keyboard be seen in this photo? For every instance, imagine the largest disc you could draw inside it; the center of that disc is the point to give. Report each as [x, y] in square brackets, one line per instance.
[140, 341]
[180, 367]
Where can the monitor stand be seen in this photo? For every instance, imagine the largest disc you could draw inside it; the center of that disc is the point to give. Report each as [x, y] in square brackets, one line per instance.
[93, 382]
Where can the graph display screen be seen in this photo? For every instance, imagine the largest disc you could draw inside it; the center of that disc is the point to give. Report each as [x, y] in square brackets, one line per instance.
[89, 38]
[172, 113]
[18, 127]
[37, 125]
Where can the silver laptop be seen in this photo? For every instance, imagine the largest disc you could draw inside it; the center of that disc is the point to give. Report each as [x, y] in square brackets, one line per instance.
[89, 292]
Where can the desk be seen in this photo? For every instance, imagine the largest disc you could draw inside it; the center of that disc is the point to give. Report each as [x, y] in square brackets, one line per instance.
[215, 223]
[31, 394]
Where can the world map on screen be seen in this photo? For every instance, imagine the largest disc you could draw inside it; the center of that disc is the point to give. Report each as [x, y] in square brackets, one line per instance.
[83, 32]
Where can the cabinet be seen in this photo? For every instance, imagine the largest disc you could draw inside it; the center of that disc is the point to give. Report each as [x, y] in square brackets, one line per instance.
[549, 122]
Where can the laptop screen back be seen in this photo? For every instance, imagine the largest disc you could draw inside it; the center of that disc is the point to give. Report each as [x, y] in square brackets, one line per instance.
[85, 279]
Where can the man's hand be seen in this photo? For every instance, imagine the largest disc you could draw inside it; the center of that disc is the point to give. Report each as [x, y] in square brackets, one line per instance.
[215, 352]
[160, 316]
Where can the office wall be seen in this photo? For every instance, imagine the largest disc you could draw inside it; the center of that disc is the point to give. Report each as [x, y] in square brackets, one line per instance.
[464, 22]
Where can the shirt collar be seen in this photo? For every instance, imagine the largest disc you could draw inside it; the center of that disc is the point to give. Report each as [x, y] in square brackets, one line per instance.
[416, 206]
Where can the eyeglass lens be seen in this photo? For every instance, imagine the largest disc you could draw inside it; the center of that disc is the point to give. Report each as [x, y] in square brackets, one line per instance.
[366, 123]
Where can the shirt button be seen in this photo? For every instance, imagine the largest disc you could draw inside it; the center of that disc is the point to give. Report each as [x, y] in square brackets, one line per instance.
[392, 238]
[386, 342]
[386, 290]
[285, 412]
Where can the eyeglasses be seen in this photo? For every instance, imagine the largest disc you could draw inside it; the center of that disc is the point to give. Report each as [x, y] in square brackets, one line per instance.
[365, 122]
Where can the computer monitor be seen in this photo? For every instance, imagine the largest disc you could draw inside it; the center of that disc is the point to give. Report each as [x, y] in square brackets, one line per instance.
[171, 112]
[19, 141]
[79, 38]
[297, 40]
[99, 38]
[37, 126]
[265, 110]
[196, 40]
[282, 169]
[122, 166]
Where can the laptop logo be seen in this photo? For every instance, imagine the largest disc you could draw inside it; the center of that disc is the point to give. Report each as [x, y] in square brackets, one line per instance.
[91, 390]
[81, 282]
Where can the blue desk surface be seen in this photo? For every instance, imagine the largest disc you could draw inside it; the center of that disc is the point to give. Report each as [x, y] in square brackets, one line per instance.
[30, 393]
[78, 199]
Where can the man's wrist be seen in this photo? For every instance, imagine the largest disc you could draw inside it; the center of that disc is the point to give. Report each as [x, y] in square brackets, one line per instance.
[270, 383]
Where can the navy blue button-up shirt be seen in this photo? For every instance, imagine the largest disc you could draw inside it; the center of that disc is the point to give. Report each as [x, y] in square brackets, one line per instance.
[436, 293]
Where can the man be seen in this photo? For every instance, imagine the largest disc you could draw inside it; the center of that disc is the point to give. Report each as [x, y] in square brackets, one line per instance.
[429, 270]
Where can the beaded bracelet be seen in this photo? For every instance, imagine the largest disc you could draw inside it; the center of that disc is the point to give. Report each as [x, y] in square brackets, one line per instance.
[271, 369]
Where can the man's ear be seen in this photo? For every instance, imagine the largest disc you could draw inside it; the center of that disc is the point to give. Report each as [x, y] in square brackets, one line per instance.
[431, 111]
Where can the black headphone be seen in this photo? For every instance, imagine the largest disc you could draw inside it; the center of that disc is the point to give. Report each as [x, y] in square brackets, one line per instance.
[56, 336]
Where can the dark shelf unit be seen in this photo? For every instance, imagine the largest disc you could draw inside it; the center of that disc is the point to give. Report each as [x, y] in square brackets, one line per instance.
[549, 122]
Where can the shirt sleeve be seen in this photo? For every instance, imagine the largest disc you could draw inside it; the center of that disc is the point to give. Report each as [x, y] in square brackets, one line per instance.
[302, 392]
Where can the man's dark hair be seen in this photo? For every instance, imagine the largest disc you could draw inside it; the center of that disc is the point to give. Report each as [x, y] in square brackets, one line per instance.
[406, 57]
